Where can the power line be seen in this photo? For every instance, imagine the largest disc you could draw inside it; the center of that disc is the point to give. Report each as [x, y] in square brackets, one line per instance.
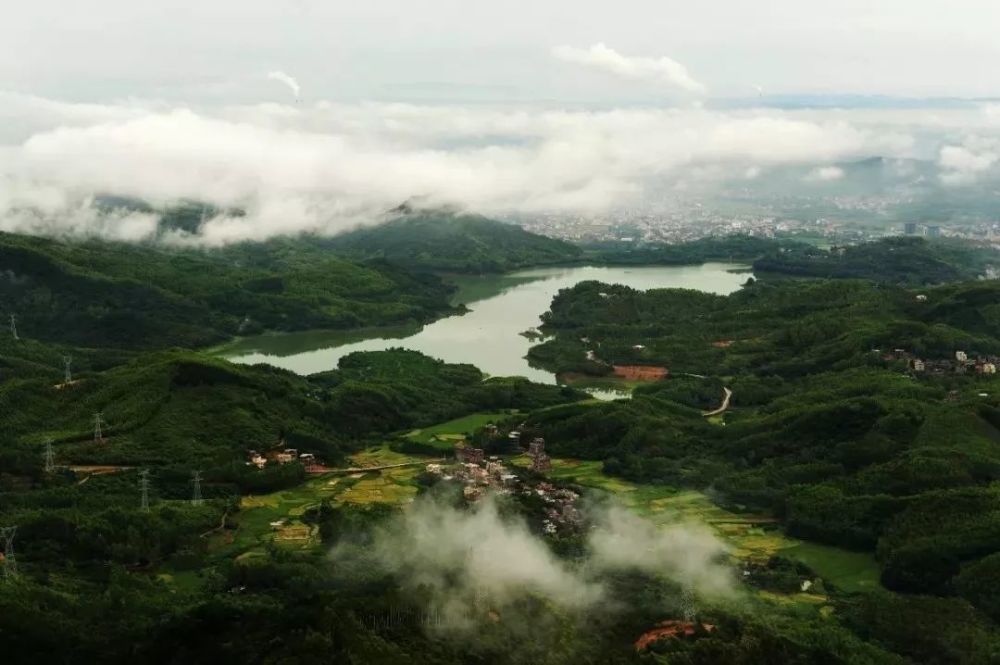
[50, 457]
[196, 499]
[10, 563]
[144, 486]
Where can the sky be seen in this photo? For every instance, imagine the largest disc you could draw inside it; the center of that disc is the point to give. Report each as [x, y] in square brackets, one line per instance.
[315, 116]
[462, 50]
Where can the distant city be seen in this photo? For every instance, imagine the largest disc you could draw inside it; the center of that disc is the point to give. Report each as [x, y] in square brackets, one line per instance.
[694, 220]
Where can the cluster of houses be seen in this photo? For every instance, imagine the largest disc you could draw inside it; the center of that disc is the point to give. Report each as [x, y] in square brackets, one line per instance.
[561, 512]
[479, 473]
[476, 473]
[962, 363]
[280, 456]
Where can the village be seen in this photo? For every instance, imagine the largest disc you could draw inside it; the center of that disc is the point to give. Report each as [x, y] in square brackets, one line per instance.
[481, 475]
[961, 363]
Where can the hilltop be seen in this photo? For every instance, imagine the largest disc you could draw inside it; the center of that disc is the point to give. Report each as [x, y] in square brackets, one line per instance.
[452, 242]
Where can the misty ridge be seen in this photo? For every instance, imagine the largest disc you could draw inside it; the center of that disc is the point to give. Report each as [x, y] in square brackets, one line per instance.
[474, 566]
[322, 168]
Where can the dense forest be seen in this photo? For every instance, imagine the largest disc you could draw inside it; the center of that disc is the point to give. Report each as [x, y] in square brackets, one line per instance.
[147, 296]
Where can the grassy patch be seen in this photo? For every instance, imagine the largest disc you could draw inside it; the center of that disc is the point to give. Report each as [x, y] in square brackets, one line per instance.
[444, 435]
[849, 571]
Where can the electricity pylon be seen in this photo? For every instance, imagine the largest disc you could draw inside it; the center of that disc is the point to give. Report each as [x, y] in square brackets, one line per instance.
[50, 457]
[10, 563]
[13, 327]
[196, 499]
[98, 434]
[68, 369]
[144, 486]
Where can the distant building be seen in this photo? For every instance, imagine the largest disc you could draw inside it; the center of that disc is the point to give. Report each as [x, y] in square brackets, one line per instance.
[989, 368]
[468, 455]
[541, 463]
[933, 231]
[536, 447]
[921, 298]
[910, 228]
[961, 356]
[287, 456]
[918, 365]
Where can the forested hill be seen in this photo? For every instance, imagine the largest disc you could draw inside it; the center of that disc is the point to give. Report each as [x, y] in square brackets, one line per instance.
[900, 260]
[105, 294]
[452, 242]
[862, 415]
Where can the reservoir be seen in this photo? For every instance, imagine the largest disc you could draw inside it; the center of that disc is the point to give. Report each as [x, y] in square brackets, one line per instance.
[488, 336]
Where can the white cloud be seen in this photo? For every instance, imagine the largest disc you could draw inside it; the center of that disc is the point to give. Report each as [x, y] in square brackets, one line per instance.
[662, 70]
[324, 167]
[282, 77]
[825, 174]
[462, 562]
[963, 164]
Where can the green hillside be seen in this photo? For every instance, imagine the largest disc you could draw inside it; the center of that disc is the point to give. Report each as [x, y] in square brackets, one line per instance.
[107, 294]
[452, 242]
[899, 260]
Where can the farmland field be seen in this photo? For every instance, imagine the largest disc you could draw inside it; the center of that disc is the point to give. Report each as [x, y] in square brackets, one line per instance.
[752, 537]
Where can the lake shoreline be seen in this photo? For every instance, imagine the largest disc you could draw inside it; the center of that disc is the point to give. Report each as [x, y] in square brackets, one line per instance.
[498, 308]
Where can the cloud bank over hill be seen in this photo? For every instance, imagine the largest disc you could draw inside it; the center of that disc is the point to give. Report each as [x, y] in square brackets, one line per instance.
[324, 167]
[466, 563]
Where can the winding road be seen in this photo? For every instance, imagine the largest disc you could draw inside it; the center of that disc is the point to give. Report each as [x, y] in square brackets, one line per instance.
[723, 408]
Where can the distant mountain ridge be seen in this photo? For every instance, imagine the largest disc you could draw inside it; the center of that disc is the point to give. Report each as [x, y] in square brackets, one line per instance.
[449, 241]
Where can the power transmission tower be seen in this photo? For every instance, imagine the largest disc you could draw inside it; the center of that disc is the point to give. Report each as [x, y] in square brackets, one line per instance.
[68, 369]
[144, 486]
[98, 434]
[10, 563]
[13, 327]
[196, 499]
[50, 457]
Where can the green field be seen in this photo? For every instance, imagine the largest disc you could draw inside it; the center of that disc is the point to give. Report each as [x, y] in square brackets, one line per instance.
[257, 513]
[752, 537]
[445, 435]
[850, 571]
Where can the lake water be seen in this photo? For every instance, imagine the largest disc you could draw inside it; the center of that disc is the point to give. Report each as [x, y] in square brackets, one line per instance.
[488, 336]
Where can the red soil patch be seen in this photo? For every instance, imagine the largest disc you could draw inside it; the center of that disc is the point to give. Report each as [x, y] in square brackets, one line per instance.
[641, 372]
[671, 628]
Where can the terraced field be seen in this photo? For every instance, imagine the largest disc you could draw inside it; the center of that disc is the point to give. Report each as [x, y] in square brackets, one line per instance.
[752, 537]
[277, 517]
